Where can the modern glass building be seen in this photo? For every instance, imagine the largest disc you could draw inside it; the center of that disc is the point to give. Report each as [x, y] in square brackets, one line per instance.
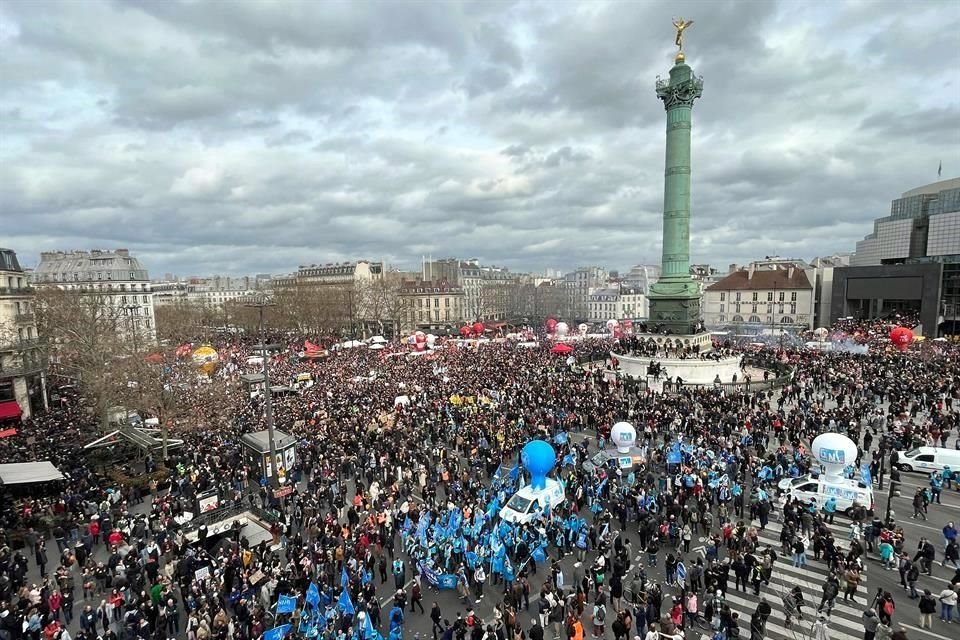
[909, 263]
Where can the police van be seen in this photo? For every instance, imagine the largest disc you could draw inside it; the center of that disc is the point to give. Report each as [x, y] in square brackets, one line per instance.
[928, 459]
[820, 488]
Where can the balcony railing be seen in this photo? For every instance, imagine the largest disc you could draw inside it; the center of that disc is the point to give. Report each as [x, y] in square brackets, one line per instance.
[25, 318]
[27, 369]
[16, 291]
[20, 344]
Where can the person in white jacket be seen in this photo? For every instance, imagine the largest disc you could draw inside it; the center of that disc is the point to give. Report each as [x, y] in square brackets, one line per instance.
[948, 600]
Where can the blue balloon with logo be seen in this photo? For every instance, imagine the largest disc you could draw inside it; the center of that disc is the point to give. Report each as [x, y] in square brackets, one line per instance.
[538, 458]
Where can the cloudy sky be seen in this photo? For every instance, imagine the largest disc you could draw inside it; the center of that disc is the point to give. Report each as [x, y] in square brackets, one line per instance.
[253, 136]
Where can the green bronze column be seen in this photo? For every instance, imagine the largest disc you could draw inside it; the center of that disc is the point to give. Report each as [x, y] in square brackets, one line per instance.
[675, 298]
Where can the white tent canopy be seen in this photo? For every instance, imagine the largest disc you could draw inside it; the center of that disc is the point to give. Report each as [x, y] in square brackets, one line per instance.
[378, 339]
[26, 472]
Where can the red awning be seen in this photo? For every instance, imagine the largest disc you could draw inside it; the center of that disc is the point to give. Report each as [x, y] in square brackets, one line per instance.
[9, 409]
[6, 433]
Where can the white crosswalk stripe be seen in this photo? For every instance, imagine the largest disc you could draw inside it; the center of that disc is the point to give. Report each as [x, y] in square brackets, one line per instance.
[845, 621]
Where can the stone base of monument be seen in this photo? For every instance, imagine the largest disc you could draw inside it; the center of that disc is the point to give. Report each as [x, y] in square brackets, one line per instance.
[693, 370]
[654, 385]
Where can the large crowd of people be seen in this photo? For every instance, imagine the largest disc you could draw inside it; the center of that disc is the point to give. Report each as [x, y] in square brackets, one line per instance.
[386, 492]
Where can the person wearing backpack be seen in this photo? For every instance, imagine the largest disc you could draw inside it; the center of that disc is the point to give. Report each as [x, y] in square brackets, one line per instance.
[599, 620]
[887, 608]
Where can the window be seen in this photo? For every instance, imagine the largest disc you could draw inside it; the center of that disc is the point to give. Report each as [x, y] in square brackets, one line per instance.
[446, 314]
[780, 296]
[446, 302]
[793, 296]
[723, 296]
[436, 303]
[420, 316]
[436, 315]
[420, 303]
[133, 275]
[769, 296]
[786, 320]
[721, 308]
[754, 307]
[738, 296]
[793, 307]
[144, 299]
[99, 276]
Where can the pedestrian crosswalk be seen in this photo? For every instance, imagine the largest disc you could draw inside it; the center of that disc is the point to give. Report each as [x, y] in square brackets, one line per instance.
[845, 621]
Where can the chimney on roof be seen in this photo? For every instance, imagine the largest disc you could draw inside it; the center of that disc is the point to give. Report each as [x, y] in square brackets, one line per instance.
[750, 271]
[790, 272]
[732, 267]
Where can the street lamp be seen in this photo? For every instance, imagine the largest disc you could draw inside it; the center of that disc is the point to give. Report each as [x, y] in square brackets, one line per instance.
[261, 303]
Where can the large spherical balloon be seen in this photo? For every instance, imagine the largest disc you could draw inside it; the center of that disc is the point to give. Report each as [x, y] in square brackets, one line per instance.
[820, 334]
[538, 458]
[901, 337]
[562, 328]
[478, 328]
[206, 359]
[628, 325]
[624, 436]
[834, 451]
[465, 331]
[583, 328]
[551, 325]
[611, 325]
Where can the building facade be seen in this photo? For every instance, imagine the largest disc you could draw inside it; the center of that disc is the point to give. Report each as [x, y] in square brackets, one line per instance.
[579, 285]
[22, 357]
[761, 299]
[432, 306]
[115, 277]
[910, 263]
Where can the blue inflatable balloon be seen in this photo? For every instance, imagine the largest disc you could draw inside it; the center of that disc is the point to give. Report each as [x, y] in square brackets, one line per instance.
[538, 458]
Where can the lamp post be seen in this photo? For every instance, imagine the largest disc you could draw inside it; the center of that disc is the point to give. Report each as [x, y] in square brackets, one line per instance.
[260, 304]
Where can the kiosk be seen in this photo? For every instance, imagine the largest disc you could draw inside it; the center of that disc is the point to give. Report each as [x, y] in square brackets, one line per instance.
[256, 451]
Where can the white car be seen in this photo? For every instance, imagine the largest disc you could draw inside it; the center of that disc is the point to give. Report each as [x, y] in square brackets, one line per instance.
[528, 503]
[821, 488]
[928, 459]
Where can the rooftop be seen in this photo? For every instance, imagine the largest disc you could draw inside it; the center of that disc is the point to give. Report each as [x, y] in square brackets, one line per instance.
[763, 279]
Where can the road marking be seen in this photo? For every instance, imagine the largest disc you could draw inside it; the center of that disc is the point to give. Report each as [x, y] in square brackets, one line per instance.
[926, 631]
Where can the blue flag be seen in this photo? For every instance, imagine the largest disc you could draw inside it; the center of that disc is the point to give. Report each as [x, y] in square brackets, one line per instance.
[286, 604]
[569, 460]
[276, 633]
[313, 595]
[560, 438]
[365, 577]
[865, 474]
[344, 578]
[539, 555]
[368, 629]
[515, 472]
[345, 604]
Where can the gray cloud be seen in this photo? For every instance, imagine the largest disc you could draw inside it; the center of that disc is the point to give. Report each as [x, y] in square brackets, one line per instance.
[526, 133]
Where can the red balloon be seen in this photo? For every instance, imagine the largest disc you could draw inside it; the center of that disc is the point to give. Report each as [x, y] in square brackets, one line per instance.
[465, 331]
[478, 328]
[901, 337]
[551, 325]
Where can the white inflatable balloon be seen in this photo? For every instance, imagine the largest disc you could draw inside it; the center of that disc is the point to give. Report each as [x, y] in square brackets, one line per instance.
[562, 328]
[584, 327]
[624, 436]
[611, 325]
[820, 333]
[834, 451]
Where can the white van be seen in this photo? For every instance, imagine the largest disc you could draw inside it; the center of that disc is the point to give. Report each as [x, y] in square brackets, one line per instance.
[821, 488]
[528, 503]
[928, 459]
